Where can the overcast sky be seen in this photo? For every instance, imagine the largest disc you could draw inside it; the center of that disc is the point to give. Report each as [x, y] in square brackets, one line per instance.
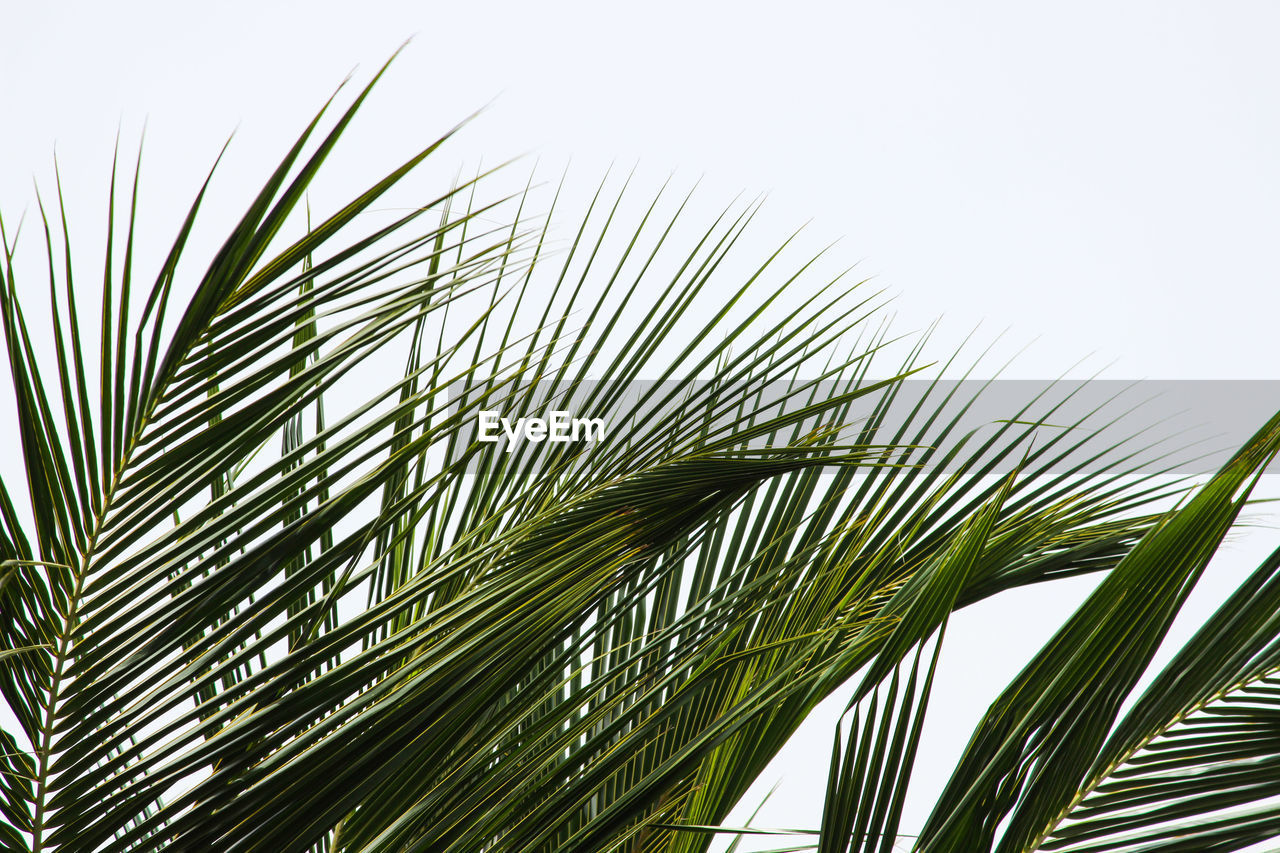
[1102, 177]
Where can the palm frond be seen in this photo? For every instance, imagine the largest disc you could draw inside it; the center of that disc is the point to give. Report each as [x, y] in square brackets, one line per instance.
[259, 573]
[1192, 766]
[1040, 748]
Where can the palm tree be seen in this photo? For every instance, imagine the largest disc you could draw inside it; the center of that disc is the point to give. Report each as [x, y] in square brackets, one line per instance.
[265, 592]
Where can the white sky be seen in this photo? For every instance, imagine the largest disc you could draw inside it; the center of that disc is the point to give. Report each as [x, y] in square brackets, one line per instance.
[1101, 176]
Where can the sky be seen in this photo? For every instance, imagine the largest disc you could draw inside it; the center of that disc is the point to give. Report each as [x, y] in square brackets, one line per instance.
[1099, 177]
[1095, 180]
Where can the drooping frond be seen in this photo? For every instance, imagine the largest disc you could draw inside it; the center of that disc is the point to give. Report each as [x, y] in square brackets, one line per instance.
[268, 589]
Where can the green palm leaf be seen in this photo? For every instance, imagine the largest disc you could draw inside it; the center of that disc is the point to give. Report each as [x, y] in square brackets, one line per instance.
[1043, 747]
[265, 593]
[1193, 764]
